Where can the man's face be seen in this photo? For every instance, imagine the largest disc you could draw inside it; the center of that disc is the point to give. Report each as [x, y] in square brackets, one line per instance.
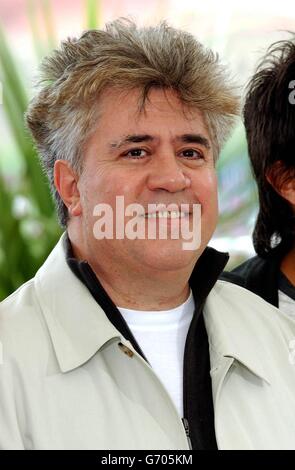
[160, 155]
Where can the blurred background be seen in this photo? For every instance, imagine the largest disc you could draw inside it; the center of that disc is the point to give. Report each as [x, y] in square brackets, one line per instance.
[239, 32]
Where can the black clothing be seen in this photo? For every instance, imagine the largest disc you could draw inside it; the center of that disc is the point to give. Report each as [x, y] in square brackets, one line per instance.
[262, 276]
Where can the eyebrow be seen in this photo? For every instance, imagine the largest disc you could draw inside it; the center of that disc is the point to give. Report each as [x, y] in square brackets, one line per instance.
[135, 138]
[138, 138]
[194, 139]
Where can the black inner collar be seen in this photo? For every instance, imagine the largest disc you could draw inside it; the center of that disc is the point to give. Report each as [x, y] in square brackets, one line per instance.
[204, 275]
[285, 286]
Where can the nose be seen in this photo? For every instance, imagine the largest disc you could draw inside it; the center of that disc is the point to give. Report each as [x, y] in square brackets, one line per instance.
[168, 176]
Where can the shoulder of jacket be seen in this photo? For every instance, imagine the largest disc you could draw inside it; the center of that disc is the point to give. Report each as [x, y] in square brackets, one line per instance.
[235, 293]
[24, 289]
[23, 332]
[236, 302]
[236, 299]
[20, 306]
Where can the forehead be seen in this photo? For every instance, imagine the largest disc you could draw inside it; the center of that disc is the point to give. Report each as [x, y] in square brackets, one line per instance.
[121, 108]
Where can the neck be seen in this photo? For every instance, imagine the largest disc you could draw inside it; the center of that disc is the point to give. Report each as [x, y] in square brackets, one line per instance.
[288, 266]
[134, 289]
[147, 295]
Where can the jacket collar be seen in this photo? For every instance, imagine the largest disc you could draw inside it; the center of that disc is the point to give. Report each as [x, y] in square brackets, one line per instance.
[240, 327]
[77, 324]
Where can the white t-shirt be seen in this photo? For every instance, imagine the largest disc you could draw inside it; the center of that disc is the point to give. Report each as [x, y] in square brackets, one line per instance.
[161, 336]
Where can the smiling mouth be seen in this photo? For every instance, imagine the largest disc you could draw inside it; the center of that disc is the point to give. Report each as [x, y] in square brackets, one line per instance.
[166, 215]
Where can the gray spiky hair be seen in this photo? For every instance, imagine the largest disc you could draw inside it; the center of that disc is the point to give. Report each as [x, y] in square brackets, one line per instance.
[64, 112]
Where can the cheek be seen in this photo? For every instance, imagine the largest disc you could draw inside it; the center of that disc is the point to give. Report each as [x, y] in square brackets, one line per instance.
[205, 188]
[106, 186]
[122, 183]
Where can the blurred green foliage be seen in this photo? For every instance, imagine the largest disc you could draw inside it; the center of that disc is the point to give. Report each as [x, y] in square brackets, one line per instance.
[28, 226]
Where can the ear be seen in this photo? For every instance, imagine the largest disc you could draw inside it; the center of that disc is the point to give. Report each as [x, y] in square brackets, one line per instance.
[288, 191]
[66, 183]
[275, 177]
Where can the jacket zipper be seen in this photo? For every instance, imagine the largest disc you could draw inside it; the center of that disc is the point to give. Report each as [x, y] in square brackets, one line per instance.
[127, 344]
[186, 428]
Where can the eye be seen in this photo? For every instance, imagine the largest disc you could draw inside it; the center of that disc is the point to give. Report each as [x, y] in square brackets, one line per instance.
[192, 154]
[135, 154]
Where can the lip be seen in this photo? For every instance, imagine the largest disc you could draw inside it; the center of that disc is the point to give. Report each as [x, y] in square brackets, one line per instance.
[184, 214]
[164, 209]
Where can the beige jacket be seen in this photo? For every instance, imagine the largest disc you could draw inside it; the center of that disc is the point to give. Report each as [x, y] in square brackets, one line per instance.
[69, 380]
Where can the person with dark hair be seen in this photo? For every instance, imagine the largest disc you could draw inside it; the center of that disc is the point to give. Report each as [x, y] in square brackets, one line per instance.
[269, 116]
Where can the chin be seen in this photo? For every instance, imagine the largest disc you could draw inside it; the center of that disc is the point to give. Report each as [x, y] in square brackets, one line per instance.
[167, 255]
